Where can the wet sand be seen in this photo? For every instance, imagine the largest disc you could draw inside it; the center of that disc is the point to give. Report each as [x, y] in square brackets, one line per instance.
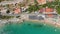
[48, 21]
[56, 24]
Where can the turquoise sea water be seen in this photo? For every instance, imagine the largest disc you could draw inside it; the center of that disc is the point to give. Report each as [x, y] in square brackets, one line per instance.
[29, 27]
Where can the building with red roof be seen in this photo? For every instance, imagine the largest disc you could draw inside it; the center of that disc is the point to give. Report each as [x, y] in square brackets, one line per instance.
[41, 2]
[17, 11]
[48, 12]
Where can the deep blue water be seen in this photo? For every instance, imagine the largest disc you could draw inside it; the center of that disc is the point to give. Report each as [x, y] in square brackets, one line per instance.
[29, 27]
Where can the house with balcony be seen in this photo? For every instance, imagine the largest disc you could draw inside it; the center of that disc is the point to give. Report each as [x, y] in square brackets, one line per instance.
[49, 12]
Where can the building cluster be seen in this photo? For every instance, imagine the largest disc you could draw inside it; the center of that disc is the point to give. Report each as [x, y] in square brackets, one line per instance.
[14, 7]
[44, 13]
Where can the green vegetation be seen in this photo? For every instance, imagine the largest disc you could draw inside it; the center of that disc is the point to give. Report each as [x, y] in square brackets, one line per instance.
[33, 8]
[58, 10]
[6, 17]
[36, 6]
[1, 0]
[55, 4]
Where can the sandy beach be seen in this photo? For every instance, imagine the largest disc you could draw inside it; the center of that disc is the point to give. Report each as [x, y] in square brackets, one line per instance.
[48, 21]
[54, 23]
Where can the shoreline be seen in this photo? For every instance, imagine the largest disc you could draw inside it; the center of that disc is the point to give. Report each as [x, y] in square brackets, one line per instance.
[55, 24]
[46, 21]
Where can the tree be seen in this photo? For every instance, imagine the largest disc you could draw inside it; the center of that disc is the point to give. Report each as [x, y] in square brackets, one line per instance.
[35, 1]
[33, 8]
[8, 11]
[1, 0]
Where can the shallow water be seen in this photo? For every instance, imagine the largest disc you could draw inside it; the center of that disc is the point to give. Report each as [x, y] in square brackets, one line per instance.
[29, 27]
